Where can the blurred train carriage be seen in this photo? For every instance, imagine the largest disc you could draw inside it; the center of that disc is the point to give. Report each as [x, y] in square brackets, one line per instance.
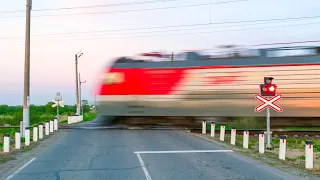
[198, 84]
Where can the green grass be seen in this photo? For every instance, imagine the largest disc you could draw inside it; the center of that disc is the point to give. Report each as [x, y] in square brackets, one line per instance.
[89, 116]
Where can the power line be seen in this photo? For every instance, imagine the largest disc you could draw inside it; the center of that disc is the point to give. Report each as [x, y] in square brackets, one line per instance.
[90, 7]
[191, 33]
[254, 22]
[132, 10]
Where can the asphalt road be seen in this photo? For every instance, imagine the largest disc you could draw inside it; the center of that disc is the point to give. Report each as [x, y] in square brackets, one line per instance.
[87, 154]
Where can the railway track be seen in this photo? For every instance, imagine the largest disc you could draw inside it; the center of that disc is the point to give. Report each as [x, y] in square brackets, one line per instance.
[277, 132]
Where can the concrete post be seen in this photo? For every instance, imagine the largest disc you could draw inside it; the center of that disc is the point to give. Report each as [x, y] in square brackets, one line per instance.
[282, 147]
[233, 136]
[222, 132]
[309, 154]
[6, 143]
[261, 142]
[245, 139]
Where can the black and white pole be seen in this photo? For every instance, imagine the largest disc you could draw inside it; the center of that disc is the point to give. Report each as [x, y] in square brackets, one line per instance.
[204, 127]
[213, 128]
[27, 136]
[233, 136]
[51, 126]
[40, 131]
[46, 128]
[35, 134]
[309, 154]
[245, 139]
[282, 147]
[6, 143]
[55, 123]
[222, 132]
[261, 142]
[17, 139]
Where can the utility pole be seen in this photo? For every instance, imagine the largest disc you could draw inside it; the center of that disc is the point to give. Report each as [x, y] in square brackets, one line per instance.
[77, 82]
[26, 93]
[172, 56]
[81, 94]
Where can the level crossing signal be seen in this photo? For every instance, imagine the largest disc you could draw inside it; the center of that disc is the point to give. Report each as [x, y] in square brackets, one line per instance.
[268, 96]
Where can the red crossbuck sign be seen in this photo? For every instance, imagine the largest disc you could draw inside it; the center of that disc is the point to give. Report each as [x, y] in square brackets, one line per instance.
[268, 102]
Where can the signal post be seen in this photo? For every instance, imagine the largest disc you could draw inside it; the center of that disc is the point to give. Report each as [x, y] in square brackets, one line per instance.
[268, 97]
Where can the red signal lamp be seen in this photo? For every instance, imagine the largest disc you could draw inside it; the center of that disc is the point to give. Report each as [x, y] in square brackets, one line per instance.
[268, 89]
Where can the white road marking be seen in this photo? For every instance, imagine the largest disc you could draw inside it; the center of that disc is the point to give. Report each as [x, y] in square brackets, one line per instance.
[146, 173]
[22, 167]
[187, 151]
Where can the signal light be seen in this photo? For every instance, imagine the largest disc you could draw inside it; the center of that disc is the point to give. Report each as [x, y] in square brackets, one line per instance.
[268, 89]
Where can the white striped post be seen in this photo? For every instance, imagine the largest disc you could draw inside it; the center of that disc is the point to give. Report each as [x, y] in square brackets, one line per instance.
[245, 139]
[41, 131]
[6, 143]
[46, 128]
[17, 139]
[213, 128]
[261, 142]
[35, 134]
[233, 136]
[55, 124]
[309, 154]
[51, 126]
[282, 147]
[204, 127]
[222, 132]
[27, 136]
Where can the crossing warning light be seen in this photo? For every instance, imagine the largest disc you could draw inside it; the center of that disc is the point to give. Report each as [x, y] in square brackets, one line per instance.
[268, 89]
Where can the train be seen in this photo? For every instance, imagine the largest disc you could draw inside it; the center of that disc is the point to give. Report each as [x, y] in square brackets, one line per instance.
[195, 84]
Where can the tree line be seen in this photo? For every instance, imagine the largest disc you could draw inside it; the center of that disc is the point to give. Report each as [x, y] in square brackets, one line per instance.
[42, 109]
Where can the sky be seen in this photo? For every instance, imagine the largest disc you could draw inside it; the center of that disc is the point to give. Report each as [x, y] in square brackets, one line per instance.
[106, 29]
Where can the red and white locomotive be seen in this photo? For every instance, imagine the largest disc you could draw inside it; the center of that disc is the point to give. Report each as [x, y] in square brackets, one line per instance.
[194, 85]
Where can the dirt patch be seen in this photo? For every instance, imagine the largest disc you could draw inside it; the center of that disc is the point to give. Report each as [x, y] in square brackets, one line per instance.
[10, 162]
